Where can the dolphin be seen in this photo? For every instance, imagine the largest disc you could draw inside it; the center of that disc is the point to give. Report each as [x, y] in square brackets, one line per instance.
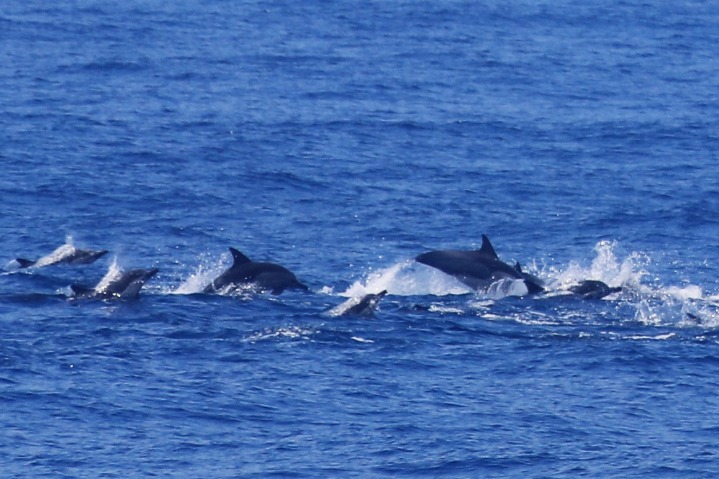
[363, 306]
[65, 254]
[262, 276]
[593, 289]
[478, 269]
[123, 285]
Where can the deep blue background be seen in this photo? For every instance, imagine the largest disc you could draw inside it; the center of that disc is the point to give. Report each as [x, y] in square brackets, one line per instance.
[341, 139]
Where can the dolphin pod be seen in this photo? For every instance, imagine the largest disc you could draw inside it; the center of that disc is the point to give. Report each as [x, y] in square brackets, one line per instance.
[479, 269]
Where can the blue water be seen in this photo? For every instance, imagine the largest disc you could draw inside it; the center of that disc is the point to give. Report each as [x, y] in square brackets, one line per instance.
[341, 139]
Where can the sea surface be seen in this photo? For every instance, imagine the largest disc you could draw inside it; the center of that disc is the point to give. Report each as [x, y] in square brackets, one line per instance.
[341, 139]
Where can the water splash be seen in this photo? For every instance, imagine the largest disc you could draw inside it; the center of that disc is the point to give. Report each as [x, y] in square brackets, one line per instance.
[114, 272]
[290, 332]
[655, 304]
[505, 288]
[605, 267]
[203, 275]
[407, 278]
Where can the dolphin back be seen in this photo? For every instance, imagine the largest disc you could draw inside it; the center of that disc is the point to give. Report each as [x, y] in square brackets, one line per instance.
[81, 256]
[80, 291]
[593, 289]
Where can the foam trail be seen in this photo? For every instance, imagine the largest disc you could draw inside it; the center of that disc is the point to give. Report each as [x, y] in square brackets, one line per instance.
[408, 278]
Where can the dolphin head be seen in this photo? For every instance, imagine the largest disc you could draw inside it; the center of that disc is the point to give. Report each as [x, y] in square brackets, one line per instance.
[131, 282]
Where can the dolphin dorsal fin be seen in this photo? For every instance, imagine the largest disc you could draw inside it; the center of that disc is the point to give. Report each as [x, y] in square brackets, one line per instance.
[238, 257]
[487, 248]
[518, 268]
[24, 263]
[80, 290]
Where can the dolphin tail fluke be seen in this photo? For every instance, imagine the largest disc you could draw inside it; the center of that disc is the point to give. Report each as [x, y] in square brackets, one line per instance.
[533, 287]
[24, 263]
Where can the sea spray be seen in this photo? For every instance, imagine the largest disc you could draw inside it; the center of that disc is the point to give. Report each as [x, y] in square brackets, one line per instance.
[407, 278]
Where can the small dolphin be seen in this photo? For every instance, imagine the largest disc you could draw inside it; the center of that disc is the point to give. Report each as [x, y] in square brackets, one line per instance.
[478, 269]
[124, 285]
[364, 306]
[65, 254]
[593, 289]
[263, 276]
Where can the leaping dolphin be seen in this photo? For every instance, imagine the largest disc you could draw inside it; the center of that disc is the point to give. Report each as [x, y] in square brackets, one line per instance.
[65, 254]
[478, 269]
[360, 306]
[262, 276]
[124, 285]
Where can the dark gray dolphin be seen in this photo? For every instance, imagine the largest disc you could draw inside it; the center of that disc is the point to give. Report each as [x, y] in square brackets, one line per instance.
[364, 306]
[65, 254]
[263, 276]
[478, 269]
[126, 285]
[593, 289]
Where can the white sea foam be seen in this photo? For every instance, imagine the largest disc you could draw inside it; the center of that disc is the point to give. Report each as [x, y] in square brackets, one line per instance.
[605, 267]
[658, 337]
[408, 278]
[203, 275]
[682, 293]
[436, 308]
[292, 332]
[504, 288]
[362, 340]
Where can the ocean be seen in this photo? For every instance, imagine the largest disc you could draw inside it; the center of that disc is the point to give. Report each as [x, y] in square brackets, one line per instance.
[341, 139]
